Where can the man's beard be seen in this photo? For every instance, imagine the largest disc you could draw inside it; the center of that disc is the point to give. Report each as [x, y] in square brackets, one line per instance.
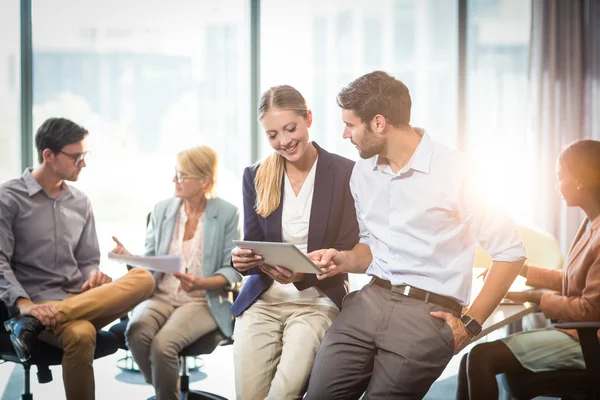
[370, 147]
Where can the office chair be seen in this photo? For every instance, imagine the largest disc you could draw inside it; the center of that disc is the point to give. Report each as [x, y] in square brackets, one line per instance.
[204, 345]
[44, 355]
[542, 249]
[565, 384]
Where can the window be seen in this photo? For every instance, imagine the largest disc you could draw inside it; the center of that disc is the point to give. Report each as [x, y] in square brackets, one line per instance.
[323, 46]
[10, 85]
[497, 69]
[147, 79]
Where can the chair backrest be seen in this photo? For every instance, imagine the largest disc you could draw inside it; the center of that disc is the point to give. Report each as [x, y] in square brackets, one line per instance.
[563, 383]
[542, 249]
[4, 315]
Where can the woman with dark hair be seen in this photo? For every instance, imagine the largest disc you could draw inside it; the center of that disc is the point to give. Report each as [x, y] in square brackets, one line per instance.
[570, 295]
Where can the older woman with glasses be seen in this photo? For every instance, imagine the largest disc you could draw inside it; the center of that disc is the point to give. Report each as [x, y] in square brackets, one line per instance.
[193, 302]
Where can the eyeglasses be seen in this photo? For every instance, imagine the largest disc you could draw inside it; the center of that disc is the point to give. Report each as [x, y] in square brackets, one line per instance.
[180, 176]
[77, 158]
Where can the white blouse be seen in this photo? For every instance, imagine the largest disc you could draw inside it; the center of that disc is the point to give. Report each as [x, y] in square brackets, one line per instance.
[295, 218]
[169, 288]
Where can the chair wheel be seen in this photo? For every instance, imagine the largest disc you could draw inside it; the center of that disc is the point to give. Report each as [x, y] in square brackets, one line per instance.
[44, 374]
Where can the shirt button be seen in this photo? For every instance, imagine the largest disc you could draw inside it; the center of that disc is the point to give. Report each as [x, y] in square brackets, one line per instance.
[393, 208]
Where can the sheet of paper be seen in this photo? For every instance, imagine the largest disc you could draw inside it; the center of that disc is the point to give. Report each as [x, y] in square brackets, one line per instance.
[167, 264]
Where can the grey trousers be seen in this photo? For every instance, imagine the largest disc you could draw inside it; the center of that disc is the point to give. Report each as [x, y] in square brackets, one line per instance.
[157, 332]
[383, 343]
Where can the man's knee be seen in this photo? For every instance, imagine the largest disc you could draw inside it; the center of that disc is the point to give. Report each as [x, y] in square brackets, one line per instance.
[319, 388]
[144, 280]
[80, 335]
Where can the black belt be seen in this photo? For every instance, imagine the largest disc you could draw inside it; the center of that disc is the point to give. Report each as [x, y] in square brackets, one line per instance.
[423, 295]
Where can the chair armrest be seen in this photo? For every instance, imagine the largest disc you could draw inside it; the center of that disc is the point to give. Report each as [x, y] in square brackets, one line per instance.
[578, 325]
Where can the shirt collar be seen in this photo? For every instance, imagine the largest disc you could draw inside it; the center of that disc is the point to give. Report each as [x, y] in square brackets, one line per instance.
[420, 160]
[32, 185]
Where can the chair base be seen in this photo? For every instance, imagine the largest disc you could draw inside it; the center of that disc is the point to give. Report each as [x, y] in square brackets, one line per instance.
[127, 363]
[196, 395]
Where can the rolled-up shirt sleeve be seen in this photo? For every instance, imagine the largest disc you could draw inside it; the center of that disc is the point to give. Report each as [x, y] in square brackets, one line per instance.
[492, 226]
[10, 288]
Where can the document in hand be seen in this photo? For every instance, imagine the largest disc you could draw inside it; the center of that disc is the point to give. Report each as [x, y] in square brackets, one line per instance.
[168, 264]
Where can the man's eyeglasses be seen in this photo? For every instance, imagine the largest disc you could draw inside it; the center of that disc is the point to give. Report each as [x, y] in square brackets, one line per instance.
[77, 158]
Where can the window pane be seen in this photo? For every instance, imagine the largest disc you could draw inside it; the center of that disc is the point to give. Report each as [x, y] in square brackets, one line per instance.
[327, 44]
[147, 79]
[498, 40]
[10, 85]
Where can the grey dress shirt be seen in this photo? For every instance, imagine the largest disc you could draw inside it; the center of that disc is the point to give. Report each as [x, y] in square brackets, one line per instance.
[48, 246]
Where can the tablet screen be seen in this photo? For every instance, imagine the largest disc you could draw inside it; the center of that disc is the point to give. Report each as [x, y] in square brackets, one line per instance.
[285, 255]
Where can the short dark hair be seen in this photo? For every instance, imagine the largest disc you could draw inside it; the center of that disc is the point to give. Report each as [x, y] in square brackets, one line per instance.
[56, 133]
[377, 93]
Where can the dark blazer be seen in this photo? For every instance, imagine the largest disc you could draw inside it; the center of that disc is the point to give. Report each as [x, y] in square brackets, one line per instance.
[332, 223]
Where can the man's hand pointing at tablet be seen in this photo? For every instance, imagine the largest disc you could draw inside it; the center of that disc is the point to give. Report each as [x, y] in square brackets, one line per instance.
[333, 262]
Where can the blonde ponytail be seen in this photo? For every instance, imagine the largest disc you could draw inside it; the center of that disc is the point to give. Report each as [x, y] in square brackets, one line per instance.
[268, 184]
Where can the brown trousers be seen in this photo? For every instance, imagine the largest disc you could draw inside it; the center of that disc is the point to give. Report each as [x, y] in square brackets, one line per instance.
[83, 314]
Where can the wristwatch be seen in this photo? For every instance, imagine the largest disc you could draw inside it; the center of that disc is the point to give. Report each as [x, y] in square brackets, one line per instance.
[471, 324]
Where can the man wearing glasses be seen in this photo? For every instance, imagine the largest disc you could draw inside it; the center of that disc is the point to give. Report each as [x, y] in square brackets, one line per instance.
[49, 256]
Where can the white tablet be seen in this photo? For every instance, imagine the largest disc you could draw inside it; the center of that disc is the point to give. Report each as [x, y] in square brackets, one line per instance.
[285, 255]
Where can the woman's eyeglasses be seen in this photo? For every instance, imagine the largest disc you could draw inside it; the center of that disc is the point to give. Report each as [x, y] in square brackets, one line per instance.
[180, 176]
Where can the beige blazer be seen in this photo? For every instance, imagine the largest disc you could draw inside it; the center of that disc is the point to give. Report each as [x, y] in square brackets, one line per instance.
[578, 284]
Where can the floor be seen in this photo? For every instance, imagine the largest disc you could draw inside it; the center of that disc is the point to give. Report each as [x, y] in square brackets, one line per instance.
[216, 375]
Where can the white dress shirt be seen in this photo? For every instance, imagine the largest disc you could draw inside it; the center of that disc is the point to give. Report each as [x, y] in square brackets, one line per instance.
[423, 223]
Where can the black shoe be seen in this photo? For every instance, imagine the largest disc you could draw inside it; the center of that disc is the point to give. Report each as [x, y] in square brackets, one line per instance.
[23, 332]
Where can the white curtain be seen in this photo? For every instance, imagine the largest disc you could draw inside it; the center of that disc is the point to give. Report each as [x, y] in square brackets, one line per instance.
[564, 98]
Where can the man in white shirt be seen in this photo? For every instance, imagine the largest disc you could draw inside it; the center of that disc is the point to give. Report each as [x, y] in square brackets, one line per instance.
[420, 217]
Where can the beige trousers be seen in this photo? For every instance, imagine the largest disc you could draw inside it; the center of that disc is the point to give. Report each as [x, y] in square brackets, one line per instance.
[83, 314]
[156, 334]
[274, 348]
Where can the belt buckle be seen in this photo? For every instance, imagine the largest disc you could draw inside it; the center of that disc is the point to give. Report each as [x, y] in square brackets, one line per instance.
[408, 289]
